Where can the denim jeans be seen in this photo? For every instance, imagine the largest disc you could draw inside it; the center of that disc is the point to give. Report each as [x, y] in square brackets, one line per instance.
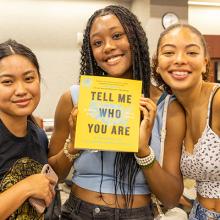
[77, 209]
[200, 213]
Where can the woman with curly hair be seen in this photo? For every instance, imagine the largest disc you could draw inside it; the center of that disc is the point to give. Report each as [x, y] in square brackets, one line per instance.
[116, 185]
[181, 66]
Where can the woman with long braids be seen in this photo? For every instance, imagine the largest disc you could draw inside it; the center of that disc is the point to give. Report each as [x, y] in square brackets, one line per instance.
[114, 185]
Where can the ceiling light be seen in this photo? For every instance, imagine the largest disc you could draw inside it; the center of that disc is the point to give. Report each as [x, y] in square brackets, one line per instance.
[216, 4]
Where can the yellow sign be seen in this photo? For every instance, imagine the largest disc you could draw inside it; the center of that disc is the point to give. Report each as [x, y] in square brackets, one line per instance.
[108, 114]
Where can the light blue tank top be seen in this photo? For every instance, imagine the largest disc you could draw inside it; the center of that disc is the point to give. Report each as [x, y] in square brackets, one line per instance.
[88, 166]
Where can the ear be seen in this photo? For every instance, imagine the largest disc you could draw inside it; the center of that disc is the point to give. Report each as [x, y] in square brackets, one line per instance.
[158, 70]
[205, 65]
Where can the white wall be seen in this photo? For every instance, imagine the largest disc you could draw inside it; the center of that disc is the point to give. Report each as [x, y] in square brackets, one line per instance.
[205, 18]
[150, 12]
[141, 8]
[154, 26]
[49, 28]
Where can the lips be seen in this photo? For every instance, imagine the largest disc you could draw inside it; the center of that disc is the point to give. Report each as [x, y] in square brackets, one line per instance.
[113, 59]
[179, 74]
[22, 102]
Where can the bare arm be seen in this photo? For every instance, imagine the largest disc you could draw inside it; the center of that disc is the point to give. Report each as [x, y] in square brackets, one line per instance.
[37, 186]
[57, 158]
[166, 183]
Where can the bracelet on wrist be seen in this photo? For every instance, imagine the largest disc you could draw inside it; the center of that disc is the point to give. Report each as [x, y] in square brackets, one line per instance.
[146, 162]
[71, 157]
[148, 165]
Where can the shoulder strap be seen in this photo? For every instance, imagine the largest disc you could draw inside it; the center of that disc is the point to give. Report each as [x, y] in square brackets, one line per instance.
[210, 111]
[163, 129]
[162, 97]
[162, 140]
[74, 90]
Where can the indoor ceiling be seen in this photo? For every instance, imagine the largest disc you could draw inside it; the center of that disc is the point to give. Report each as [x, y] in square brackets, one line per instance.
[170, 2]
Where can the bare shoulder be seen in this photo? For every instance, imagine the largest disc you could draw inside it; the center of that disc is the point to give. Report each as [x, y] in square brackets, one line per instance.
[61, 123]
[176, 121]
[66, 98]
[175, 109]
[175, 133]
[65, 104]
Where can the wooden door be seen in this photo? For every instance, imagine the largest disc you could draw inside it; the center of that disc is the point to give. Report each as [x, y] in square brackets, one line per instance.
[213, 43]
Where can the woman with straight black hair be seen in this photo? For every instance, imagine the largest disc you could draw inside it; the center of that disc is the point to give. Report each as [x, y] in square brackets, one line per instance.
[23, 144]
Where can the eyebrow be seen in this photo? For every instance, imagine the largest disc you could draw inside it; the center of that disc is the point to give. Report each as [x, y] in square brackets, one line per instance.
[11, 75]
[168, 45]
[187, 46]
[193, 45]
[97, 33]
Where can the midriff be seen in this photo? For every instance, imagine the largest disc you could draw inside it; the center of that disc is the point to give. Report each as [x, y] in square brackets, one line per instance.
[210, 204]
[107, 199]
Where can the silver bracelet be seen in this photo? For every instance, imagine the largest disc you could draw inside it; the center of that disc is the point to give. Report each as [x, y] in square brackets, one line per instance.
[71, 157]
[145, 161]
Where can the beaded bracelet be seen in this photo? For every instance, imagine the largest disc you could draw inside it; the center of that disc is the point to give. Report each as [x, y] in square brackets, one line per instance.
[71, 157]
[148, 165]
[146, 162]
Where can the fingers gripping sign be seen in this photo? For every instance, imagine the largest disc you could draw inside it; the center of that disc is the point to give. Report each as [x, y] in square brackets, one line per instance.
[148, 109]
[72, 122]
[72, 127]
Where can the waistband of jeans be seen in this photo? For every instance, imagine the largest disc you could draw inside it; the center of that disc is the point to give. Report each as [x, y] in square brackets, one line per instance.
[82, 205]
[209, 213]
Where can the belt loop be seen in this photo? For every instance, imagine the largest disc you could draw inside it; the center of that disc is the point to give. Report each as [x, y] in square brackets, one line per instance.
[77, 204]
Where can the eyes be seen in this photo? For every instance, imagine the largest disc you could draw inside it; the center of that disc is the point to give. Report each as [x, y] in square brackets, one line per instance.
[192, 53]
[7, 82]
[172, 52]
[29, 79]
[100, 41]
[117, 36]
[10, 80]
[97, 43]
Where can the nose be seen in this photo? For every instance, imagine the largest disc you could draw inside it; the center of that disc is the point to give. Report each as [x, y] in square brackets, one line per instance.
[20, 89]
[109, 45]
[180, 58]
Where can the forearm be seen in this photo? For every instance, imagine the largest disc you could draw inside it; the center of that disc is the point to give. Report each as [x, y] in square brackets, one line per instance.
[60, 164]
[12, 199]
[166, 187]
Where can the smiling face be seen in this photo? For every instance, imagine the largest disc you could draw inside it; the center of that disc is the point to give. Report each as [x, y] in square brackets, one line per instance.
[181, 58]
[19, 87]
[110, 46]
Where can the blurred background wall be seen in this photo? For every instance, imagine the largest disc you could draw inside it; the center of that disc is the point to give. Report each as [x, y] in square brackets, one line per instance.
[53, 30]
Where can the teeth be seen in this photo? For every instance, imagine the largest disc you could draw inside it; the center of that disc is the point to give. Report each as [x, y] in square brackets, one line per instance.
[113, 59]
[180, 73]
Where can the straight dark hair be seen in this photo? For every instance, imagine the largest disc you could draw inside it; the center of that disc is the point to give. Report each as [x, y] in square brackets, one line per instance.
[12, 47]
